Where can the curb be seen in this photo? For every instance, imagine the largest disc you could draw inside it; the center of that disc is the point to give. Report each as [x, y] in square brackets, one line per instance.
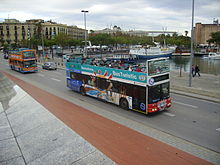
[195, 95]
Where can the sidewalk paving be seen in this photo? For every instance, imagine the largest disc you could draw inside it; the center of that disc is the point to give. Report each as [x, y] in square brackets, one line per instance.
[206, 86]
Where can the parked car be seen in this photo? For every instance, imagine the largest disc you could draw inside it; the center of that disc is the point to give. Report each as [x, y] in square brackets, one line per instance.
[49, 66]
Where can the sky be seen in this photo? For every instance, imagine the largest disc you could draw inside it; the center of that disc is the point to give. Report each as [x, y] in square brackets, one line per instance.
[147, 15]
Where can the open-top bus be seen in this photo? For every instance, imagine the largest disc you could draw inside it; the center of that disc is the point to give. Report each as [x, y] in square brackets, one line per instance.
[23, 60]
[146, 92]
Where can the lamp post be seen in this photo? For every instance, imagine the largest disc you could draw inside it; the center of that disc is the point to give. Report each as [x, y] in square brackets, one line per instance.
[85, 49]
[192, 38]
[42, 40]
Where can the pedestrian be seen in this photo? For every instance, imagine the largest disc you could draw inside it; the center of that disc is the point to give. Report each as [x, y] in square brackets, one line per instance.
[197, 70]
[193, 70]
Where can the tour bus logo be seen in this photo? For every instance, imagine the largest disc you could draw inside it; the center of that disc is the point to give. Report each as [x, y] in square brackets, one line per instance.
[142, 77]
[151, 81]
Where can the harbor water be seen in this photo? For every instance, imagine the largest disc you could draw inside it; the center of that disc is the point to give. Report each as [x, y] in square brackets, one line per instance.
[208, 66]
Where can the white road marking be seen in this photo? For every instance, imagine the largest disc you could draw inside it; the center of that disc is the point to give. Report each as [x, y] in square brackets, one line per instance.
[185, 104]
[169, 114]
[42, 75]
[218, 129]
[55, 79]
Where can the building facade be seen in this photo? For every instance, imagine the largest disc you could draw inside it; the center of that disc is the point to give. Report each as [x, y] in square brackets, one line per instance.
[13, 31]
[76, 33]
[203, 32]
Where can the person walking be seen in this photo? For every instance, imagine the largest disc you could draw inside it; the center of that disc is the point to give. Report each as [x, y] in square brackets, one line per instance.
[197, 70]
[193, 70]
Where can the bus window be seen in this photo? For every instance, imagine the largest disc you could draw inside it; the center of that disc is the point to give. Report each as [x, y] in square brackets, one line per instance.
[154, 94]
[72, 75]
[115, 87]
[29, 54]
[91, 80]
[129, 89]
[30, 64]
[158, 92]
[165, 90]
[158, 67]
[142, 95]
[101, 83]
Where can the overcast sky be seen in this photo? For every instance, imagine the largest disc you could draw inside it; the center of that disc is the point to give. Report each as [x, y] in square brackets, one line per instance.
[172, 15]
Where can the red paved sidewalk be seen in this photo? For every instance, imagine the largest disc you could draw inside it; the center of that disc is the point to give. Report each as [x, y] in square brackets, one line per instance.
[121, 144]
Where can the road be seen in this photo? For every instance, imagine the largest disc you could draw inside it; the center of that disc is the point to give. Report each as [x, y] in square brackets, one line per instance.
[196, 121]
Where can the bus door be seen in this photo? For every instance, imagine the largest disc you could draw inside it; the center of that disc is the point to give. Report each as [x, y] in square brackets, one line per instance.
[139, 98]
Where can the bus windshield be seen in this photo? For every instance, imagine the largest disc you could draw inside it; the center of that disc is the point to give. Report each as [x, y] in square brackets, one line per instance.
[158, 93]
[158, 67]
[29, 54]
[30, 64]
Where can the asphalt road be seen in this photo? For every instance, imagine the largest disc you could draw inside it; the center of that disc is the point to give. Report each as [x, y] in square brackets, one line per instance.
[191, 119]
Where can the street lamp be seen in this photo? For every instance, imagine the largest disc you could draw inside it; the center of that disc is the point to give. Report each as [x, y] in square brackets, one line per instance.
[42, 41]
[192, 54]
[85, 49]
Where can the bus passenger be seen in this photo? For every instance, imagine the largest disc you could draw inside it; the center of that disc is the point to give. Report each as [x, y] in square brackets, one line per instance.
[129, 68]
[138, 68]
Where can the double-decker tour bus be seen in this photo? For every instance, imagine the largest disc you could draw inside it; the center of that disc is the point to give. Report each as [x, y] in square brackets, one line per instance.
[23, 60]
[145, 90]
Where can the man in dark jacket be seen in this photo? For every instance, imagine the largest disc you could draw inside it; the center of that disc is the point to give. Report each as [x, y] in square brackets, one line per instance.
[197, 70]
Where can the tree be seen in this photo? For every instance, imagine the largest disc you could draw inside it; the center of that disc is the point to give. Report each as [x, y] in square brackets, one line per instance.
[101, 39]
[215, 38]
[175, 34]
[24, 43]
[74, 42]
[49, 43]
[61, 39]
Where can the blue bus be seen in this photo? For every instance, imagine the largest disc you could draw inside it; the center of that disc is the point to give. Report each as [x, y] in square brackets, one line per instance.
[145, 90]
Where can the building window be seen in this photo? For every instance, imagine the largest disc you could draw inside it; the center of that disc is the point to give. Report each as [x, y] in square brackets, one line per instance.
[15, 27]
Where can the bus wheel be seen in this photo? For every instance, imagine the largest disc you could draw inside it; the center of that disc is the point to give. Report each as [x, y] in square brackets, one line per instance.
[124, 104]
[82, 91]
